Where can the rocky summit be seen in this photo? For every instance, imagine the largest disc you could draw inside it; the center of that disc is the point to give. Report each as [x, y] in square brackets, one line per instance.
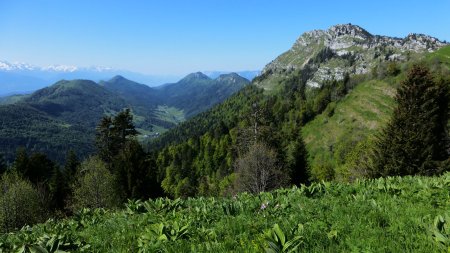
[344, 49]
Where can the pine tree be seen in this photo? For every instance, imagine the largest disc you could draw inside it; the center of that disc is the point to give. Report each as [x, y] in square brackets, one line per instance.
[70, 168]
[297, 161]
[414, 140]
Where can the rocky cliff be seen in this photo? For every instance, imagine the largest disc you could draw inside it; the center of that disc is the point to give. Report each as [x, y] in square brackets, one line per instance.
[345, 49]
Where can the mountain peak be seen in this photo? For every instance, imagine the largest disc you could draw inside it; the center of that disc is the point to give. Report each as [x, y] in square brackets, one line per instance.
[195, 76]
[117, 78]
[346, 48]
[349, 29]
[232, 78]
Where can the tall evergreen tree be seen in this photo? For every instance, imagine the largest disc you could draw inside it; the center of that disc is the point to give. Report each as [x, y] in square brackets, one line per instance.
[133, 171]
[21, 162]
[70, 167]
[40, 168]
[297, 161]
[58, 188]
[112, 134]
[414, 140]
[104, 139]
[3, 166]
[123, 126]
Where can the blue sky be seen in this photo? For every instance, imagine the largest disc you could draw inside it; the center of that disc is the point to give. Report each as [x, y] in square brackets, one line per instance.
[178, 37]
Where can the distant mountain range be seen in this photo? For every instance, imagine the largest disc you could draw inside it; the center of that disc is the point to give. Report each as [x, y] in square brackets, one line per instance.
[63, 116]
[23, 78]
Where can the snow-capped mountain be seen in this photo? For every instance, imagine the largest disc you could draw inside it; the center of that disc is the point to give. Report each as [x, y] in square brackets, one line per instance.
[16, 66]
[18, 77]
[20, 66]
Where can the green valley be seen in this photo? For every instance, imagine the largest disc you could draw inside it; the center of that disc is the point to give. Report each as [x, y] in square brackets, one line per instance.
[74, 108]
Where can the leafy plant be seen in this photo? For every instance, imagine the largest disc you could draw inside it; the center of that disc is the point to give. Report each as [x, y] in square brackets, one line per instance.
[441, 231]
[278, 242]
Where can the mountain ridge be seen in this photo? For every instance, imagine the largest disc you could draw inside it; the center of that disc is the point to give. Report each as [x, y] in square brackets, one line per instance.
[346, 48]
[74, 107]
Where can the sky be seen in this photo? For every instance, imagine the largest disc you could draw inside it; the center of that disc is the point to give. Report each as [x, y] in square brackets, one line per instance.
[183, 36]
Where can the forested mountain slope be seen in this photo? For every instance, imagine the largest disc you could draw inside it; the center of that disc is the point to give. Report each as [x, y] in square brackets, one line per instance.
[70, 111]
[335, 111]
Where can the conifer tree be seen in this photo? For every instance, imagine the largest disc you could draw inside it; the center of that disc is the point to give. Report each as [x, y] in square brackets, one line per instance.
[414, 141]
[70, 168]
[58, 188]
[297, 161]
[104, 139]
[112, 134]
[21, 161]
[3, 166]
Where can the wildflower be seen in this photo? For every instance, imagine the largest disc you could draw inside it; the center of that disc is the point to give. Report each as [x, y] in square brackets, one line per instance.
[264, 205]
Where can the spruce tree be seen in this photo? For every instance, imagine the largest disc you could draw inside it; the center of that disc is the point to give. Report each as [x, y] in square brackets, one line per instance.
[58, 188]
[70, 168]
[3, 166]
[21, 162]
[112, 134]
[297, 160]
[104, 139]
[414, 141]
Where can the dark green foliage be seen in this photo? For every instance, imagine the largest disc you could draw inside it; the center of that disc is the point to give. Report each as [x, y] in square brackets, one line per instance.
[123, 126]
[393, 69]
[70, 167]
[21, 162]
[112, 134]
[37, 167]
[134, 170]
[105, 139]
[58, 189]
[415, 139]
[3, 166]
[136, 173]
[40, 168]
[322, 99]
[296, 161]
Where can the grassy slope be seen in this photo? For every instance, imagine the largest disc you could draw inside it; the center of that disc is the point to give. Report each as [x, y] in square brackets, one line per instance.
[382, 215]
[358, 115]
[442, 54]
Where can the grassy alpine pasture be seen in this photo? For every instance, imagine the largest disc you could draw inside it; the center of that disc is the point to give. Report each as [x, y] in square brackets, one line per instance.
[397, 214]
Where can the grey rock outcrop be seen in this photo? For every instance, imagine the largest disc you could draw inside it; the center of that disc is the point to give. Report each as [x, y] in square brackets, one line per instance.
[344, 49]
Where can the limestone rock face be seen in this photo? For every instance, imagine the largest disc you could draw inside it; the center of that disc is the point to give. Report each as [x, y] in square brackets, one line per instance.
[344, 49]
